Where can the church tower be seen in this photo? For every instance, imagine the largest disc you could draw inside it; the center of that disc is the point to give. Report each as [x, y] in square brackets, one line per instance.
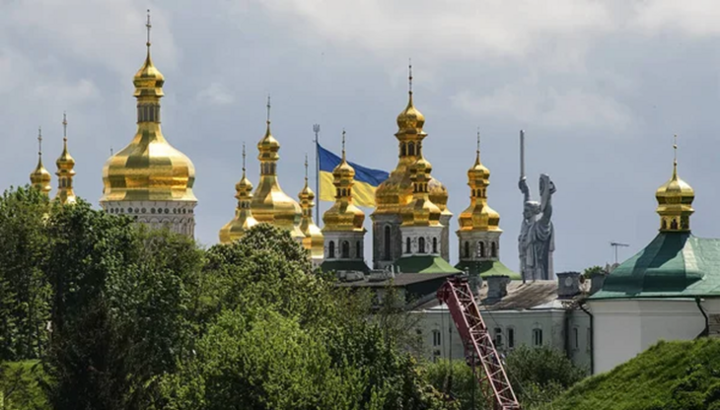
[675, 199]
[397, 191]
[244, 219]
[149, 179]
[269, 203]
[40, 177]
[479, 233]
[313, 240]
[65, 172]
[343, 231]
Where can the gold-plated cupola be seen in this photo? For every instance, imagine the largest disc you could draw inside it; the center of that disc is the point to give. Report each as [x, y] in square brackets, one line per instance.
[421, 211]
[343, 215]
[244, 218]
[40, 177]
[149, 168]
[397, 191]
[479, 216]
[65, 171]
[269, 203]
[314, 241]
[675, 199]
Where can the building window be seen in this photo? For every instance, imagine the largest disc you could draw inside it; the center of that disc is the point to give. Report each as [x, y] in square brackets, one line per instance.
[436, 338]
[387, 243]
[358, 250]
[408, 247]
[481, 249]
[576, 338]
[467, 249]
[346, 250]
[411, 149]
[403, 149]
[421, 245]
[331, 250]
[435, 245]
[498, 337]
[537, 337]
[493, 250]
[510, 338]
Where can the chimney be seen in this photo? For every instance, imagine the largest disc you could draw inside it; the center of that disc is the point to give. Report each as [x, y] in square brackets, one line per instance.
[568, 284]
[597, 279]
[497, 287]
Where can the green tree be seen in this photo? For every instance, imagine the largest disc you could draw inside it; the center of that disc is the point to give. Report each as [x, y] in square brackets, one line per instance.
[24, 292]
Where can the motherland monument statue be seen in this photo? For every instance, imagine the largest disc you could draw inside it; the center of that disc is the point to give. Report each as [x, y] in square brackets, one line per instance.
[536, 242]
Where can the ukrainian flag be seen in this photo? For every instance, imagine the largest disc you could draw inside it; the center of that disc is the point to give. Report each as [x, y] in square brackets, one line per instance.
[366, 179]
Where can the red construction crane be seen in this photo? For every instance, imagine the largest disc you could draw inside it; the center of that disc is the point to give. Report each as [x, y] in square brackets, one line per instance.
[479, 347]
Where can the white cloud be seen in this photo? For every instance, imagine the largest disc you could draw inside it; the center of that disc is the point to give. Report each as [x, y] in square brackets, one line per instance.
[533, 105]
[216, 94]
[697, 18]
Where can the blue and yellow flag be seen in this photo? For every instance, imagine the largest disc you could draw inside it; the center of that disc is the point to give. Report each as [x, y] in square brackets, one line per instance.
[366, 179]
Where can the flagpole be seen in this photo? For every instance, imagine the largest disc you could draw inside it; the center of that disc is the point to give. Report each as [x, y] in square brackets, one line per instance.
[316, 129]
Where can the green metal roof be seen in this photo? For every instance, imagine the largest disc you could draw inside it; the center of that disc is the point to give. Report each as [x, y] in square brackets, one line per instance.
[424, 264]
[673, 265]
[335, 266]
[488, 268]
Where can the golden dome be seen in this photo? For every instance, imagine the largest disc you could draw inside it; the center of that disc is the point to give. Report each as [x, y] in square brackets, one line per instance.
[40, 177]
[343, 215]
[243, 220]
[269, 203]
[397, 191]
[65, 165]
[149, 168]
[675, 199]
[479, 216]
[314, 241]
[421, 211]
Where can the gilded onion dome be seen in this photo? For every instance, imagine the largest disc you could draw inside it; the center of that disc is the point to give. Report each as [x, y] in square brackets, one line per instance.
[675, 199]
[421, 211]
[397, 191]
[269, 203]
[314, 240]
[149, 168]
[343, 215]
[243, 220]
[40, 177]
[479, 216]
[65, 172]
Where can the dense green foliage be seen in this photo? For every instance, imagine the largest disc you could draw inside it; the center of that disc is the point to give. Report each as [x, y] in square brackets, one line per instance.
[538, 375]
[667, 376]
[125, 318]
[20, 386]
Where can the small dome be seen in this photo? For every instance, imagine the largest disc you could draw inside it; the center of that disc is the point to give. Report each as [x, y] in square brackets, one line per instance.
[40, 178]
[439, 195]
[65, 162]
[410, 119]
[675, 199]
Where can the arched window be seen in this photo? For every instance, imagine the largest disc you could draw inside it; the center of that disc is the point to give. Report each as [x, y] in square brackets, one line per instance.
[346, 250]
[386, 242]
[408, 248]
[421, 245]
[411, 148]
[467, 249]
[331, 250]
[403, 149]
[435, 245]
[481, 249]
[493, 250]
[537, 337]
[358, 250]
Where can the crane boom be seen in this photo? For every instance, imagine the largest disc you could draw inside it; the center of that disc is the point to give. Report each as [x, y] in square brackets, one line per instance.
[479, 347]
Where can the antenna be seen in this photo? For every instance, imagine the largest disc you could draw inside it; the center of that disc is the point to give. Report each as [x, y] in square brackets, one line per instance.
[615, 246]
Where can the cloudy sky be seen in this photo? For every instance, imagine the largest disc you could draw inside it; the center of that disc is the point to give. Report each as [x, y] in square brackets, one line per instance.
[600, 87]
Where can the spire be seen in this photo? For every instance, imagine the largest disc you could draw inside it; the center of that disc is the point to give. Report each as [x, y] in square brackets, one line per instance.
[410, 78]
[148, 83]
[675, 199]
[148, 26]
[268, 110]
[268, 147]
[410, 122]
[313, 241]
[40, 177]
[479, 216]
[65, 171]
[244, 219]
[343, 215]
